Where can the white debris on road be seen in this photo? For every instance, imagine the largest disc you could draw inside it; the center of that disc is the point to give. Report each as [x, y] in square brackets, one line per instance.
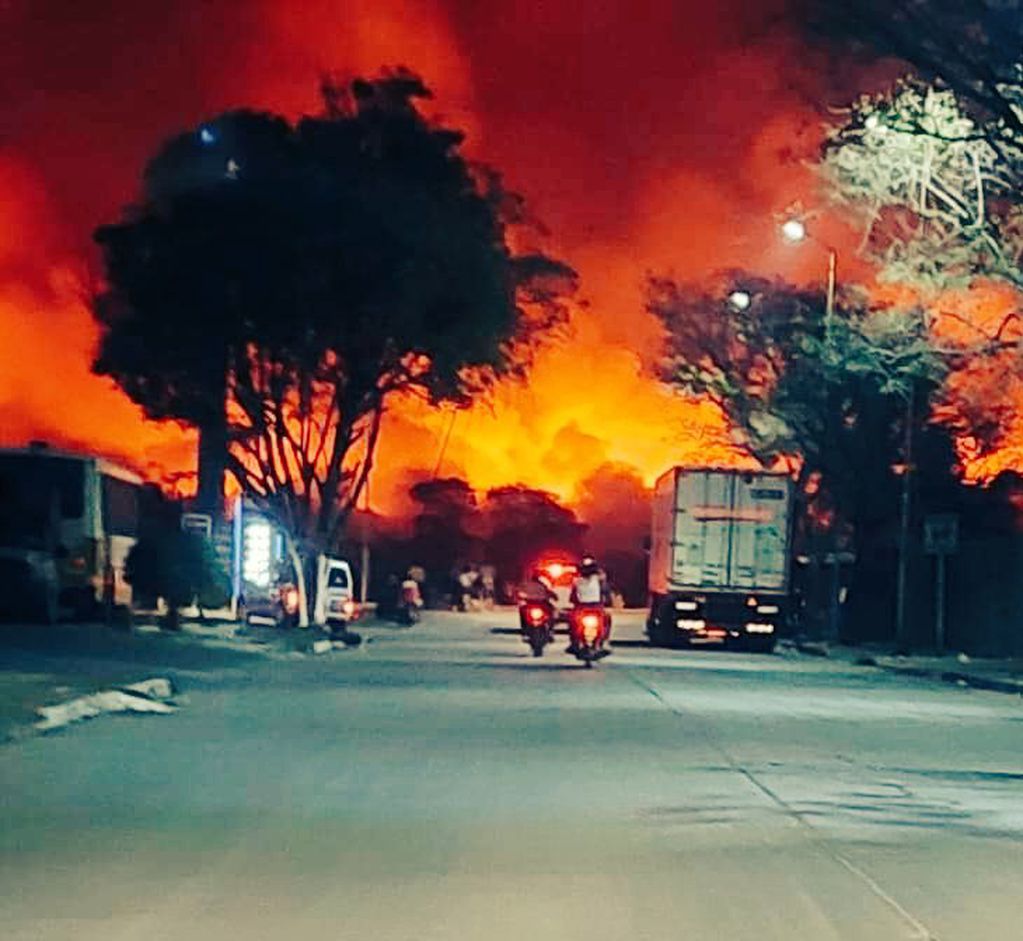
[155, 688]
[144, 697]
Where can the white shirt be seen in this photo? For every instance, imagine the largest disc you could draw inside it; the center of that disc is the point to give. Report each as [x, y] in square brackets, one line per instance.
[587, 589]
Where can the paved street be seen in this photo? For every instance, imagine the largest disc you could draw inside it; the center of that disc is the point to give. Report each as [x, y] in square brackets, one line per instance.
[439, 784]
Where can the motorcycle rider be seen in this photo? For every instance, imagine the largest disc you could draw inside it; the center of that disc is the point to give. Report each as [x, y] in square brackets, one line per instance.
[590, 590]
[536, 590]
[590, 585]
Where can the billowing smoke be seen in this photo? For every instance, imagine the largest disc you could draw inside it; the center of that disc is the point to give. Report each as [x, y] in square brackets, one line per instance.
[660, 139]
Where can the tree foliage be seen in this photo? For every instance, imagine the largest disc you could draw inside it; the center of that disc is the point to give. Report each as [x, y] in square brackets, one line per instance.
[832, 395]
[522, 524]
[291, 278]
[180, 567]
[447, 530]
[509, 527]
[937, 201]
[971, 46]
[942, 218]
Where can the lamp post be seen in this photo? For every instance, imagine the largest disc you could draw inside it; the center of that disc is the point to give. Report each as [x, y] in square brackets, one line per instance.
[906, 501]
[794, 231]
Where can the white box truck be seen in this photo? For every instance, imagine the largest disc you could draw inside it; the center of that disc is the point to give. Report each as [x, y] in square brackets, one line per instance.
[720, 557]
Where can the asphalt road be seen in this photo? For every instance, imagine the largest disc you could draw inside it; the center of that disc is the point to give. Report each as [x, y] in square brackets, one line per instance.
[440, 784]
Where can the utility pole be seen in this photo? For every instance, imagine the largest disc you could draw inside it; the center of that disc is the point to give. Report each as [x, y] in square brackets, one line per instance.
[900, 600]
[364, 553]
[829, 309]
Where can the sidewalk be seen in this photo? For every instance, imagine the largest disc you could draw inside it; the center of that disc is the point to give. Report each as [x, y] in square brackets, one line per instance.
[997, 675]
[42, 666]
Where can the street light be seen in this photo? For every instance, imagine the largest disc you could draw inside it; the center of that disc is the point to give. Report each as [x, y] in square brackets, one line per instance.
[794, 230]
[740, 300]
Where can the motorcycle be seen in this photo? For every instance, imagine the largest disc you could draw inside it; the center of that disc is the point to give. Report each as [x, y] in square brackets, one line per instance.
[589, 629]
[537, 620]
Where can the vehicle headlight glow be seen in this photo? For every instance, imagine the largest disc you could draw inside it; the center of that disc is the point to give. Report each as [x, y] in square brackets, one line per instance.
[686, 606]
[755, 627]
[767, 609]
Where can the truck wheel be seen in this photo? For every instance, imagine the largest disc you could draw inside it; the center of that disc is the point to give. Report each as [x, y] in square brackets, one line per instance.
[653, 627]
[659, 626]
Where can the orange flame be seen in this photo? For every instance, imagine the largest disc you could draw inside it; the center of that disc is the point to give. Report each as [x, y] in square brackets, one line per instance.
[607, 127]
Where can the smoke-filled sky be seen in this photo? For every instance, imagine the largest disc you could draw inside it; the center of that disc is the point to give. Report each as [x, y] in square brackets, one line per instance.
[654, 136]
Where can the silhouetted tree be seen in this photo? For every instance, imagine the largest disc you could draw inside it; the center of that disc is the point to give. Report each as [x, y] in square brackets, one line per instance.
[447, 529]
[523, 524]
[279, 283]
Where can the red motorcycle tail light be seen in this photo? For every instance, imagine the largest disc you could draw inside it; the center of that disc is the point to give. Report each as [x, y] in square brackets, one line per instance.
[536, 615]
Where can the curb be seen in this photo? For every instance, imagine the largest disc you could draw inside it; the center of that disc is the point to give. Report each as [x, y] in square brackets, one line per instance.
[1012, 687]
[954, 677]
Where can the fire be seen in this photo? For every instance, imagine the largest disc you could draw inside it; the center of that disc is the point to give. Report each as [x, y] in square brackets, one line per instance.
[645, 143]
[47, 390]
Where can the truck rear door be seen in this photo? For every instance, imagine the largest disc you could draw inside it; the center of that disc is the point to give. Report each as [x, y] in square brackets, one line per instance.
[702, 529]
[759, 549]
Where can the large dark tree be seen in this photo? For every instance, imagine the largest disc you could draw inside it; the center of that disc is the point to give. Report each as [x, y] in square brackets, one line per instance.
[277, 283]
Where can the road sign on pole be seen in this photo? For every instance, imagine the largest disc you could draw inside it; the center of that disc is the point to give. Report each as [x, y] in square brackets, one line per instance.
[941, 534]
[201, 523]
[941, 539]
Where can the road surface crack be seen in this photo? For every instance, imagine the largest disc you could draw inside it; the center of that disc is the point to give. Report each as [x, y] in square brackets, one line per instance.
[920, 932]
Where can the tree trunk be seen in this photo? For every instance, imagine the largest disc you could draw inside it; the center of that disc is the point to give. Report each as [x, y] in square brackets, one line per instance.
[212, 466]
[298, 564]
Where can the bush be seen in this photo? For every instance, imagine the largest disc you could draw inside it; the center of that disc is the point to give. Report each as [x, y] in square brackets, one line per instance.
[182, 568]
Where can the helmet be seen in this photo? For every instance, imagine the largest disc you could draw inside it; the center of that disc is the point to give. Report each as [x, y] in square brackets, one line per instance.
[588, 566]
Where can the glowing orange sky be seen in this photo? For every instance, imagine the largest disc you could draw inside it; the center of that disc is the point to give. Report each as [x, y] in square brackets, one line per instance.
[657, 142]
